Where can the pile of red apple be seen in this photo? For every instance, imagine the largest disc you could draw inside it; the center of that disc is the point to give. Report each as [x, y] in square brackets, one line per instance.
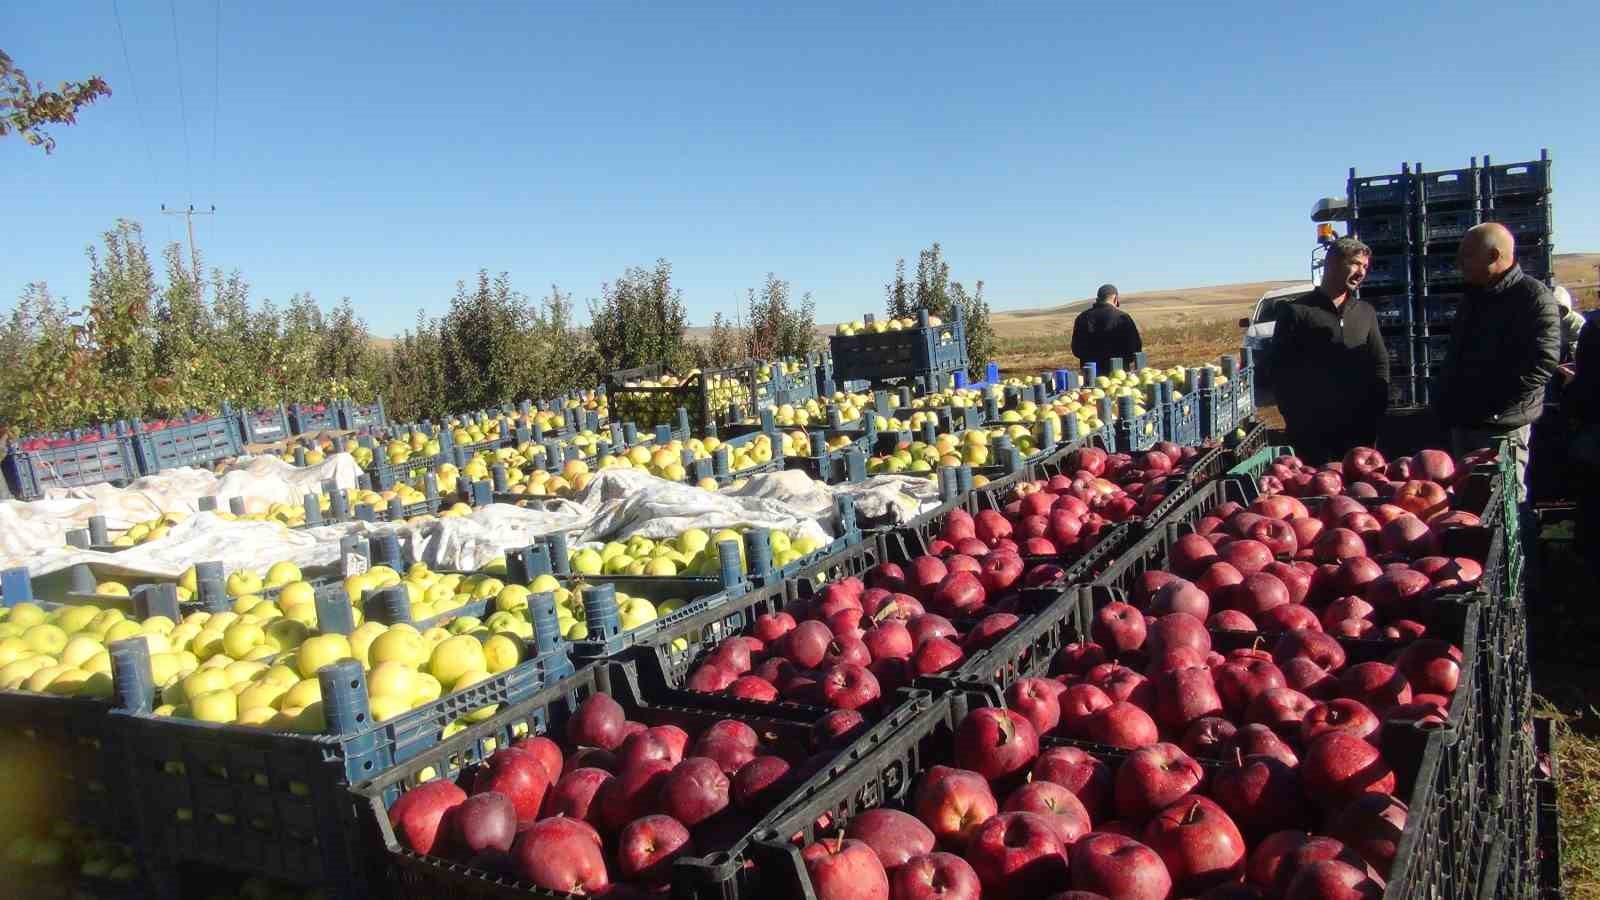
[857, 641]
[1063, 516]
[1015, 819]
[1348, 570]
[1425, 480]
[618, 806]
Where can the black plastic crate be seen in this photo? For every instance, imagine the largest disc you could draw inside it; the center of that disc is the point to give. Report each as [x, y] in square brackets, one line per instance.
[705, 397]
[1382, 228]
[1548, 849]
[1398, 343]
[1438, 308]
[1389, 271]
[1440, 268]
[1527, 222]
[1537, 260]
[1393, 310]
[1433, 349]
[1449, 186]
[1438, 226]
[1375, 191]
[1530, 178]
[723, 870]
[908, 353]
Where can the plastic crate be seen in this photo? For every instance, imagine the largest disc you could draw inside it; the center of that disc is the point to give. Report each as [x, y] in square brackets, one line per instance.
[1547, 784]
[1449, 186]
[723, 870]
[1433, 349]
[1409, 391]
[1536, 260]
[278, 804]
[1375, 191]
[1440, 268]
[75, 755]
[908, 353]
[1382, 228]
[1391, 271]
[355, 416]
[1136, 431]
[1181, 422]
[309, 418]
[1430, 863]
[108, 457]
[1530, 222]
[1438, 308]
[1517, 179]
[1227, 407]
[267, 425]
[200, 441]
[1392, 310]
[648, 407]
[1447, 225]
[1401, 349]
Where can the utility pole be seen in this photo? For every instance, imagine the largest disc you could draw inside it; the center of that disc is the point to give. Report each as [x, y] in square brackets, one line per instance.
[188, 215]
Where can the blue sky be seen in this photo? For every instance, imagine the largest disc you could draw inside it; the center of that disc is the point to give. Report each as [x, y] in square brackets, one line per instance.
[385, 151]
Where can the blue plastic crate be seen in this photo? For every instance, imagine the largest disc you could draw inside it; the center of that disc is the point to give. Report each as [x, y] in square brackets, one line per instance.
[1440, 269]
[1227, 407]
[278, 804]
[908, 353]
[1438, 308]
[1181, 422]
[76, 756]
[356, 416]
[311, 418]
[1391, 309]
[107, 458]
[200, 441]
[267, 425]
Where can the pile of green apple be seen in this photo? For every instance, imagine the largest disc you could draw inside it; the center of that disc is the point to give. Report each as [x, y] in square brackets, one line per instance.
[64, 852]
[882, 326]
[693, 552]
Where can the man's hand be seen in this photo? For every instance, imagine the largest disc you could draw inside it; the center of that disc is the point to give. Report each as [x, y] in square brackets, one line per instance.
[1566, 373]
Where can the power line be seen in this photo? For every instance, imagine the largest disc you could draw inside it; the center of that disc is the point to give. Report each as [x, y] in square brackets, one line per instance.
[216, 87]
[183, 108]
[133, 86]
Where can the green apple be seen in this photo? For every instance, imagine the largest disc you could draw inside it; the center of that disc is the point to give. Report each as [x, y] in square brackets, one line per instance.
[634, 611]
[512, 596]
[661, 567]
[281, 574]
[244, 582]
[693, 541]
[455, 656]
[322, 650]
[398, 644]
[501, 652]
[240, 637]
[618, 565]
[613, 549]
[544, 584]
[215, 706]
[587, 562]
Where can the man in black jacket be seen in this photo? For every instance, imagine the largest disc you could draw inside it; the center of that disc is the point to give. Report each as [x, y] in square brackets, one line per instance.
[1504, 347]
[1104, 332]
[1332, 370]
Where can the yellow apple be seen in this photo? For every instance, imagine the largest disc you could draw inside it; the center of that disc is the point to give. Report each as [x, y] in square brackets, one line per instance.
[215, 706]
[455, 656]
[322, 650]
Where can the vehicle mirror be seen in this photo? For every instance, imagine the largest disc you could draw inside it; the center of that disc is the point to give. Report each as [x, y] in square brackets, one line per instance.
[1244, 323]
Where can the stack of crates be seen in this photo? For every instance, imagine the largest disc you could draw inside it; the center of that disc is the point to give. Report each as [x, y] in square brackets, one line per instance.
[1382, 213]
[1414, 222]
[1450, 205]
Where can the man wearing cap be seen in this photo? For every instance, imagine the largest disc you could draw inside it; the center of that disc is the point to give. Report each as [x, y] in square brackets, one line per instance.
[1331, 369]
[1104, 332]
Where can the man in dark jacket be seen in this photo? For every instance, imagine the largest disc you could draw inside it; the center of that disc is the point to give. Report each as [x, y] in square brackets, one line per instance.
[1104, 332]
[1332, 369]
[1504, 347]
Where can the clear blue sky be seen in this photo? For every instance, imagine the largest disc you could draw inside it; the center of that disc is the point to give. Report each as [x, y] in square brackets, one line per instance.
[384, 151]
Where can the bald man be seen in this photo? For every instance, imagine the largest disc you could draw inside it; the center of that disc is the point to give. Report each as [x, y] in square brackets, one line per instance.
[1504, 348]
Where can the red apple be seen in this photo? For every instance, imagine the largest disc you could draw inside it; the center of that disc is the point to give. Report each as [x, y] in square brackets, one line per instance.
[518, 775]
[1119, 627]
[1260, 793]
[1199, 843]
[1339, 767]
[417, 816]
[561, 854]
[1080, 772]
[1154, 777]
[1371, 825]
[996, 743]
[1038, 700]
[953, 803]
[844, 869]
[1018, 854]
[1057, 804]
[1332, 879]
[573, 796]
[1113, 865]
[1339, 714]
[647, 848]
[1377, 685]
[597, 723]
[756, 783]
[1122, 725]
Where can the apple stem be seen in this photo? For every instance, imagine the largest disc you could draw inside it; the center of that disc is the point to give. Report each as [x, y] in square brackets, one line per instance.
[1194, 813]
[1238, 755]
[884, 612]
[838, 840]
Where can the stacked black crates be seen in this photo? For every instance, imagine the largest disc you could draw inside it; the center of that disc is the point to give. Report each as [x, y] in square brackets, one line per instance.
[1382, 213]
[1414, 222]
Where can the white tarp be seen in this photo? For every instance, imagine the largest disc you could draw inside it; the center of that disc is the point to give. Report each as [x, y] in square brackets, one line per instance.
[618, 503]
